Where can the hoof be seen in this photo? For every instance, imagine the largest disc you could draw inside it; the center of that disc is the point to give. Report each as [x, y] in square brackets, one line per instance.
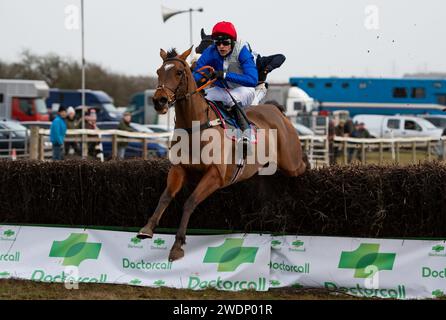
[176, 254]
[145, 233]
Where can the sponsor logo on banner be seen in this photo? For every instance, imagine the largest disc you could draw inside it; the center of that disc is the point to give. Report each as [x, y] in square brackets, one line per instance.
[276, 244]
[135, 243]
[63, 277]
[75, 249]
[135, 282]
[438, 251]
[305, 268]
[145, 265]
[274, 283]
[428, 272]
[7, 235]
[159, 283]
[438, 293]
[358, 290]
[296, 245]
[4, 274]
[10, 257]
[197, 283]
[297, 285]
[230, 255]
[367, 254]
[159, 244]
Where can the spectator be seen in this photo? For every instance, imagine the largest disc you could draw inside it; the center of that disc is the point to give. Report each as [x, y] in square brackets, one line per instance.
[90, 123]
[359, 131]
[124, 125]
[58, 130]
[339, 131]
[72, 123]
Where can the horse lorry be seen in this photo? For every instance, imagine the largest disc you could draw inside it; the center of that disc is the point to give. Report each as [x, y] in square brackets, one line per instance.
[23, 100]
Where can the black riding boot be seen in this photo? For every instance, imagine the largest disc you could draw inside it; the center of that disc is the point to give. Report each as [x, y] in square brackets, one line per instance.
[242, 120]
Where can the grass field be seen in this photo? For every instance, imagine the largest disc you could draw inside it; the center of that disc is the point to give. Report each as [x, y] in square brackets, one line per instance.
[24, 290]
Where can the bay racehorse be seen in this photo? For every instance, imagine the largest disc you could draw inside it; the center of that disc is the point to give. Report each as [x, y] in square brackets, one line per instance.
[176, 86]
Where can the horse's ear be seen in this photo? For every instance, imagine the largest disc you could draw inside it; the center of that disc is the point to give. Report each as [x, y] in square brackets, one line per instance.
[163, 54]
[203, 34]
[186, 53]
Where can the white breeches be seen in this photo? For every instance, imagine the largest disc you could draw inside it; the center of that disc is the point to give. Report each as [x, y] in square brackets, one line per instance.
[244, 95]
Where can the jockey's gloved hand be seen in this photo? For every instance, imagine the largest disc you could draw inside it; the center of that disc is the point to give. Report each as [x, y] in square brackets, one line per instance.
[220, 75]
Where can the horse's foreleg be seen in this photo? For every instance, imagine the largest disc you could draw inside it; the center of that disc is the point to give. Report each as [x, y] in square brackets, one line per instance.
[175, 181]
[210, 182]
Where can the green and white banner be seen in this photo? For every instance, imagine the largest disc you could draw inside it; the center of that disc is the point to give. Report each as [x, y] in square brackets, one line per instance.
[401, 269]
[385, 268]
[231, 262]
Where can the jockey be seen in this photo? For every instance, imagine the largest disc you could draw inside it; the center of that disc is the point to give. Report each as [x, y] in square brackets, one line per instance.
[235, 70]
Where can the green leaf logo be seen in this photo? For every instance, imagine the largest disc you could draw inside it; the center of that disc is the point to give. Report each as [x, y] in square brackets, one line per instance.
[8, 233]
[276, 243]
[437, 248]
[159, 283]
[298, 243]
[135, 281]
[274, 283]
[297, 285]
[230, 255]
[437, 293]
[366, 255]
[75, 249]
[159, 242]
[135, 240]
[4, 274]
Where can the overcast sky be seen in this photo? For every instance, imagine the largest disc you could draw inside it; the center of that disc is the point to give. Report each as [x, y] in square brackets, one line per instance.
[378, 38]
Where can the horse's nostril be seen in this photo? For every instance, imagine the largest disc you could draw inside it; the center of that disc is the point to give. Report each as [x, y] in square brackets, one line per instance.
[163, 100]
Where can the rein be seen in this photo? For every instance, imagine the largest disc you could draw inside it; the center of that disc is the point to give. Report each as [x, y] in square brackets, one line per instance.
[171, 102]
[189, 94]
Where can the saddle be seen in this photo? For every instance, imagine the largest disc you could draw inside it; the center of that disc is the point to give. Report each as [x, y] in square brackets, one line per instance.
[230, 125]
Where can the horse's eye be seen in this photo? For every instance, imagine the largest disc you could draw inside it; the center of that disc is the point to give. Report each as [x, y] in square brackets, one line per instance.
[179, 73]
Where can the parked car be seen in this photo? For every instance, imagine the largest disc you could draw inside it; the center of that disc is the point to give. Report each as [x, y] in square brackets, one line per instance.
[437, 120]
[134, 149]
[381, 126]
[13, 136]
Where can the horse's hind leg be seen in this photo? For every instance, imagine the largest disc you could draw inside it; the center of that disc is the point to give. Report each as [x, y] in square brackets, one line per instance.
[210, 182]
[175, 181]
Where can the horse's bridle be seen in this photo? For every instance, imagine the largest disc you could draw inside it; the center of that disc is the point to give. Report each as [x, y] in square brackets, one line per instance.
[171, 99]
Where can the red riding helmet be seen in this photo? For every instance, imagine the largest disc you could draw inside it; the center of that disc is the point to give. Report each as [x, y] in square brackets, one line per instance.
[224, 28]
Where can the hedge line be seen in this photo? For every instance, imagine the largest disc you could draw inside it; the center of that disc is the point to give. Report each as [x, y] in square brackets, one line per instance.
[364, 201]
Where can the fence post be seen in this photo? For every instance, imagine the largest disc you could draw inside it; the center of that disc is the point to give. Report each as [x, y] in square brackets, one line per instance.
[429, 147]
[144, 148]
[397, 152]
[380, 153]
[41, 147]
[414, 151]
[344, 152]
[34, 143]
[114, 146]
[362, 153]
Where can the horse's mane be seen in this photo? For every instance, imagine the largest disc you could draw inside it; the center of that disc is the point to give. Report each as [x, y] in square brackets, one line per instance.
[172, 53]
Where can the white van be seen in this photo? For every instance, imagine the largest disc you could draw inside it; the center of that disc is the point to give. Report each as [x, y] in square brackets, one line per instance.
[381, 126]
